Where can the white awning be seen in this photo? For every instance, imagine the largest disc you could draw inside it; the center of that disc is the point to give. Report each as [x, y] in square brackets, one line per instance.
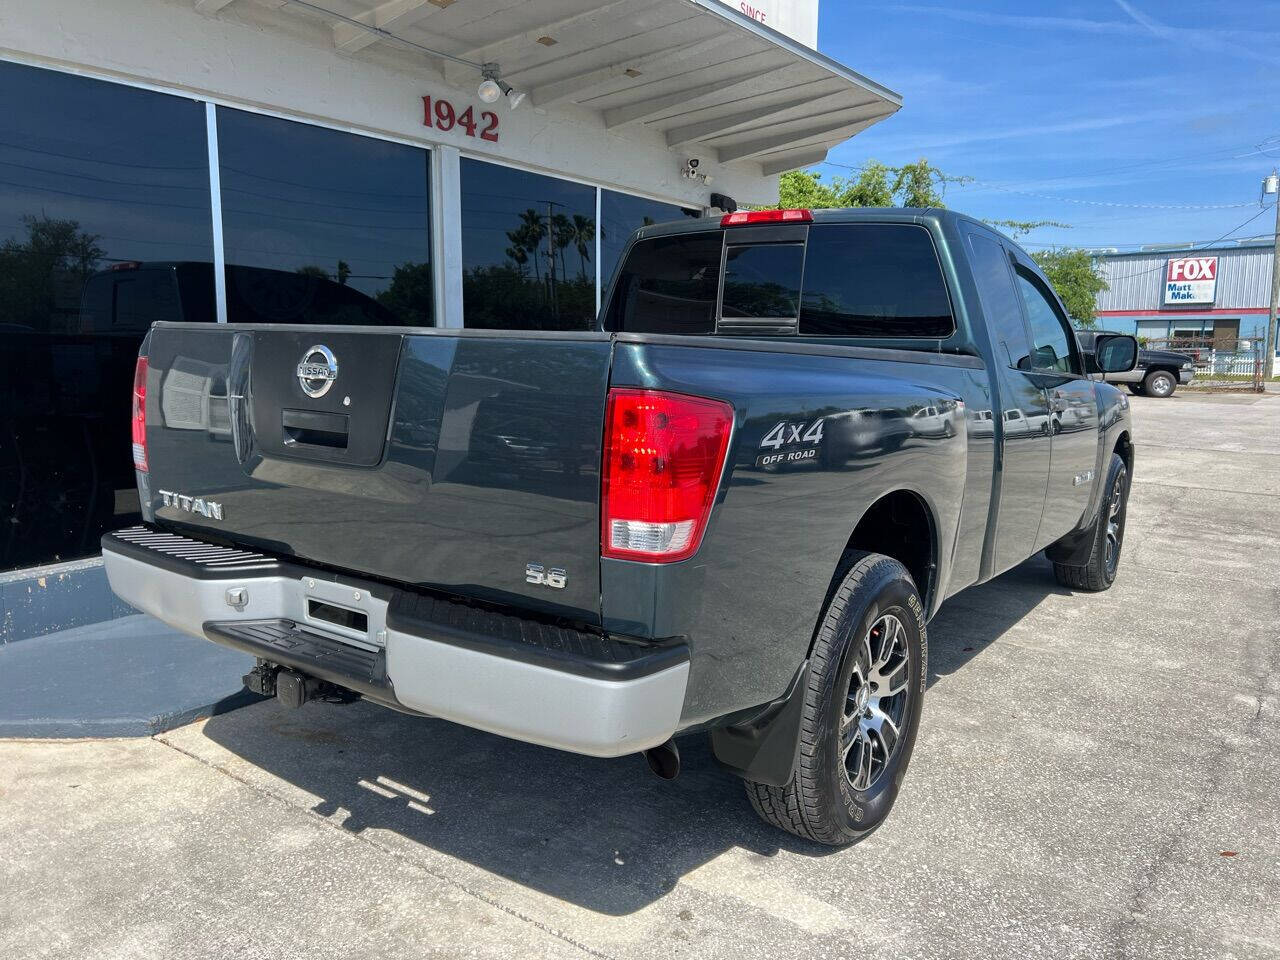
[712, 81]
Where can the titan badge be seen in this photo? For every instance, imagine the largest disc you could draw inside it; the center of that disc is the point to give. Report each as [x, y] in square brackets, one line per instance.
[210, 509]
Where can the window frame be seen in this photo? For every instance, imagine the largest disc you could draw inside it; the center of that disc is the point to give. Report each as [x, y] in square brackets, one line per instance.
[791, 321]
[221, 120]
[1021, 271]
[1011, 271]
[937, 260]
[605, 318]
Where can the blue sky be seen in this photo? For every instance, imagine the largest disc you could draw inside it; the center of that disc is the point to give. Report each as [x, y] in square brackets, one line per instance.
[1080, 112]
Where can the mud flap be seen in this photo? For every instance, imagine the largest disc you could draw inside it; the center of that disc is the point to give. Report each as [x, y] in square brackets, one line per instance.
[764, 750]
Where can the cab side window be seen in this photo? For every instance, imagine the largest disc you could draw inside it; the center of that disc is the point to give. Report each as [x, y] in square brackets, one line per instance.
[1051, 335]
[1000, 301]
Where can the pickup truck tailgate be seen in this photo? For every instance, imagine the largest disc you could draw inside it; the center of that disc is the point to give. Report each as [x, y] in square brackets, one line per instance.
[443, 459]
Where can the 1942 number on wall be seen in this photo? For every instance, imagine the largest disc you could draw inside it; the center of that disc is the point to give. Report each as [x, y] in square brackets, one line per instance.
[442, 115]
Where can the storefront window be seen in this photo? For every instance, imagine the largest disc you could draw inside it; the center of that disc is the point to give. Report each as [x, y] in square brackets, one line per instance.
[620, 215]
[104, 199]
[528, 250]
[321, 226]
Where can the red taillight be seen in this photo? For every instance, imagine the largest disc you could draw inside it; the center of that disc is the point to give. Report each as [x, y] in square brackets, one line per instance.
[139, 420]
[743, 217]
[663, 455]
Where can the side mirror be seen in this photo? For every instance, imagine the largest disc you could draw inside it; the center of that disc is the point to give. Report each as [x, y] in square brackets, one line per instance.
[1115, 353]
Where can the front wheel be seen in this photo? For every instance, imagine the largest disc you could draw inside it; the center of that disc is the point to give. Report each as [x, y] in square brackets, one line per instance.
[1099, 571]
[862, 701]
[1160, 383]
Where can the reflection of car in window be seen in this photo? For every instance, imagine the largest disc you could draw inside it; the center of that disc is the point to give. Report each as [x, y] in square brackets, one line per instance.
[129, 297]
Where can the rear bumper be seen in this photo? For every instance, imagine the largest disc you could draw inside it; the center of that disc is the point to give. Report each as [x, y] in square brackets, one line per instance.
[522, 679]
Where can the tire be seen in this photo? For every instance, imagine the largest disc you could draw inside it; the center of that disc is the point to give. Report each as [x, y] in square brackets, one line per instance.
[1099, 572]
[1160, 383]
[1136, 389]
[876, 599]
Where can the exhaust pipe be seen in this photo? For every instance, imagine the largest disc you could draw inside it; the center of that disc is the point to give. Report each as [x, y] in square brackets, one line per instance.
[664, 760]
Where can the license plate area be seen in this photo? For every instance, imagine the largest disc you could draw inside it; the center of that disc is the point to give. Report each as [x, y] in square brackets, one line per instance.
[349, 612]
[337, 616]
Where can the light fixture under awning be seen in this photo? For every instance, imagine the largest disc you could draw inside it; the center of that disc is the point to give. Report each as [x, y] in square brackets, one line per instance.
[709, 79]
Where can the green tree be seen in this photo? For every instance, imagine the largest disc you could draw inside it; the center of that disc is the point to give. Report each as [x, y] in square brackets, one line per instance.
[1017, 229]
[409, 294]
[532, 231]
[36, 274]
[918, 184]
[561, 235]
[584, 238]
[1075, 275]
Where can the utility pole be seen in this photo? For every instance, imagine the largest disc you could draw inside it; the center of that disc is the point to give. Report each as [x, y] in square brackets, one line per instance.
[551, 256]
[1271, 185]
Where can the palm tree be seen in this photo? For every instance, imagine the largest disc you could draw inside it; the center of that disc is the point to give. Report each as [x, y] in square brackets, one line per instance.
[517, 252]
[584, 237]
[561, 237]
[533, 229]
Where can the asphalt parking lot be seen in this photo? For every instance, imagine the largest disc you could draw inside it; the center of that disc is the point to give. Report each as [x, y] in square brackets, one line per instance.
[1096, 776]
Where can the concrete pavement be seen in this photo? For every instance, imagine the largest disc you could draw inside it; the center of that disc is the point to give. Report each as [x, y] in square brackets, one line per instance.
[1096, 776]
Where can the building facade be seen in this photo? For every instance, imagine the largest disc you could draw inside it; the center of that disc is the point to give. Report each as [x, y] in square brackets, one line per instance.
[1221, 292]
[454, 163]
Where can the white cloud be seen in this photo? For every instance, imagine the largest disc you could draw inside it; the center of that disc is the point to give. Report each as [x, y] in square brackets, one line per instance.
[1217, 40]
[1025, 131]
[1227, 42]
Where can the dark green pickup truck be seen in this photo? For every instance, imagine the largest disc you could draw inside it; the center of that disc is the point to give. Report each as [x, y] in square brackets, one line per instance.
[731, 510]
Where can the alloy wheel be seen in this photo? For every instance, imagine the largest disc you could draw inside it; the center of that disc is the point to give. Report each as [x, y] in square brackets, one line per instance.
[876, 702]
[1115, 524]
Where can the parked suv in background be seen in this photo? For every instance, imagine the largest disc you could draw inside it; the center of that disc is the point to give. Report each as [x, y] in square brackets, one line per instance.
[1157, 374]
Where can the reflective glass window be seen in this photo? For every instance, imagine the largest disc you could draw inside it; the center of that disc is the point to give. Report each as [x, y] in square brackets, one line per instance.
[104, 206]
[528, 249]
[621, 214]
[322, 226]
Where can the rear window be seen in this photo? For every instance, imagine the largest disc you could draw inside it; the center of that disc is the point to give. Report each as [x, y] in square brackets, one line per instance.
[869, 280]
[669, 285]
[873, 280]
[763, 280]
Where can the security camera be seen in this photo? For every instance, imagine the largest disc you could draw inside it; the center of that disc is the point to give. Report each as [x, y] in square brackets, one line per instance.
[690, 171]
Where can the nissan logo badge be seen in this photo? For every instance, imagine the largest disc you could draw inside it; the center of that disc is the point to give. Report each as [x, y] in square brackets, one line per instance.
[317, 371]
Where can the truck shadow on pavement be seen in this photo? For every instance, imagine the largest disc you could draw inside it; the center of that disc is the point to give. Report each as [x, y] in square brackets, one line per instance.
[603, 834]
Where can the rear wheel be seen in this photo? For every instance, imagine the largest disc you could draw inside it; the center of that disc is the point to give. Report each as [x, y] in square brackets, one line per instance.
[1099, 571]
[862, 705]
[1160, 383]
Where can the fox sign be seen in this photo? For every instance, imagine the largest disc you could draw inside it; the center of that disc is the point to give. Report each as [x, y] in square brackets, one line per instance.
[1191, 280]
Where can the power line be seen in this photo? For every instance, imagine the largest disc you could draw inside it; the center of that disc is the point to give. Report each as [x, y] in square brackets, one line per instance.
[1097, 246]
[967, 181]
[385, 34]
[1110, 203]
[1268, 143]
[1192, 249]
